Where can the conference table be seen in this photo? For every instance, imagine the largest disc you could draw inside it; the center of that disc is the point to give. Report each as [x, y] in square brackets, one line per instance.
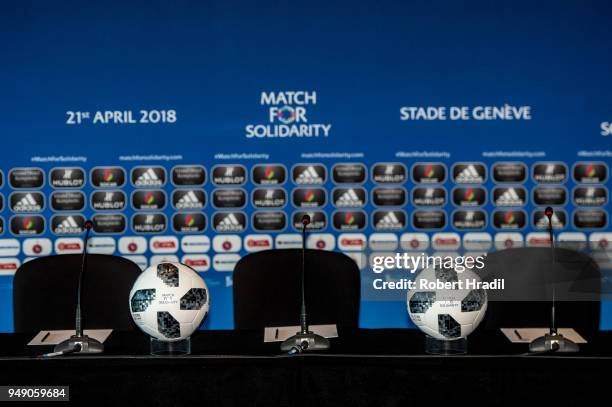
[363, 367]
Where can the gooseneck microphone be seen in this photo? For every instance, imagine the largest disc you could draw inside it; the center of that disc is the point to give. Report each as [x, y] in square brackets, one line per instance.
[79, 343]
[305, 339]
[553, 341]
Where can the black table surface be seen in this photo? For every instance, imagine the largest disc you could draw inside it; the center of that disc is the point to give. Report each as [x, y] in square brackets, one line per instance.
[375, 343]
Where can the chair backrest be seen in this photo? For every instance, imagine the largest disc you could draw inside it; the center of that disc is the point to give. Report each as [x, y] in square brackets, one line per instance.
[267, 289]
[45, 291]
[528, 274]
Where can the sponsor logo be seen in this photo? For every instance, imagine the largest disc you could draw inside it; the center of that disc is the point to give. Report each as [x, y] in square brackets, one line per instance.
[107, 177]
[163, 244]
[229, 222]
[309, 174]
[37, 247]
[469, 173]
[558, 219]
[198, 262]
[1, 202]
[229, 175]
[590, 196]
[67, 224]
[21, 202]
[349, 220]
[287, 116]
[321, 241]
[288, 241]
[132, 245]
[8, 266]
[101, 245]
[318, 220]
[349, 197]
[269, 221]
[428, 219]
[509, 196]
[229, 198]
[352, 242]
[428, 196]
[549, 173]
[389, 196]
[188, 175]
[389, 220]
[26, 178]
[163, 258]
[509, 220]
[445, 241]
[414, 241]
[255, 243]
[508, 240]
[147, 177]
[149, 223]
[601, 241]
[469, 196]
[9, 247]
[109, 223]
[596, 173]
[188, 222]
[269, 174]
[309, 197]
[477, 241]
[469, 220]
[67, 201]
[195, 244]
[225, 262]
[509, 172]
[538, 240]
[349, 173]
[269, 198]
[383, 241]
[188, 199]
[69, 245]
[67, 177]
[549, 196]
[590, 219]
[428, 173]
[572, 240]
[108, 200]
[389, 173]
[154, 199]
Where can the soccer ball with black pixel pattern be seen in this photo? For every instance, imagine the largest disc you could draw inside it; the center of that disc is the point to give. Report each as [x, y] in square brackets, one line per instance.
[169, 301]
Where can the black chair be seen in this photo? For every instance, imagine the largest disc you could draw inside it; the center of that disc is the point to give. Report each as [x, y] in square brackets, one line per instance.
[529, 274]
[45, 291]
[267, 289]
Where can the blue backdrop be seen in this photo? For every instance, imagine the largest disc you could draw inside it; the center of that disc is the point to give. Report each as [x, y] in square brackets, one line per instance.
[209, 63]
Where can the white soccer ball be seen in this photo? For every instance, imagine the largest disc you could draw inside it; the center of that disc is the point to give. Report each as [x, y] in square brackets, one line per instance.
[169, 301]
[442, 313]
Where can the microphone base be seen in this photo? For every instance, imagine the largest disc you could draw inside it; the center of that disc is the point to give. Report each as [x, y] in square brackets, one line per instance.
[315, 342]
[556, 343]
[88, 345]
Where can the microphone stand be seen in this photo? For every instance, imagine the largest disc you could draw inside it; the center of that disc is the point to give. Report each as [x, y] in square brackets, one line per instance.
[79, 342]
[305, 339]
[553, 341]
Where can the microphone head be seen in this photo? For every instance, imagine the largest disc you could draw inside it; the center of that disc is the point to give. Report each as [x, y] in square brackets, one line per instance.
[305, 220]
[88, 224]
[548, 212]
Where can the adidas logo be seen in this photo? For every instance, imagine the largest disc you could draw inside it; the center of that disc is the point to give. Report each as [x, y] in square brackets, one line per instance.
[542, 223]
[349, 199]
[189, 201]
[148, 178]
[509, 198]
[469, 175]
[229, 223]
[389, 221]
[68, 226]
[27, 204]
[309, 176]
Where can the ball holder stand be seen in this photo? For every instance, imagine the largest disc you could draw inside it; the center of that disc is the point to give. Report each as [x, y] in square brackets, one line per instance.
[435, 346]
[174, 348]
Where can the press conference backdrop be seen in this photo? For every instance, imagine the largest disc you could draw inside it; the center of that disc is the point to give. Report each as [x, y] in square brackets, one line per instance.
[202, 131]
